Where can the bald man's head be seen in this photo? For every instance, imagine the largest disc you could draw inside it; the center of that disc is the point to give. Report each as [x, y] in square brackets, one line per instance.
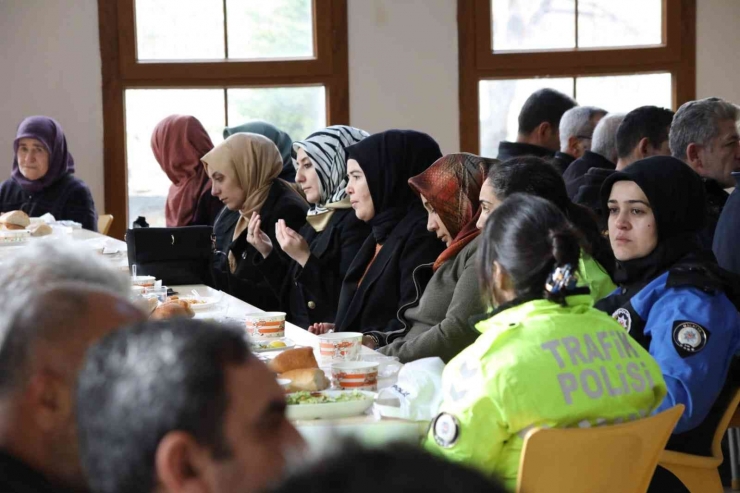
[43, 340]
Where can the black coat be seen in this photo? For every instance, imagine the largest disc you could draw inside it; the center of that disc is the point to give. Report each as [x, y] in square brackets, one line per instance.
[389, 283]
[247, 283]
[561, 161]
[66, 199]
[311, 294]
[716, 199]
[508, 150]
[727, 233]
[574, 176]
[18, 477]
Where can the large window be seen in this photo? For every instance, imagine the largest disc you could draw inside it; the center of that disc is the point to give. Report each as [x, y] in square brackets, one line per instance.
[614, 54]
[226, 62]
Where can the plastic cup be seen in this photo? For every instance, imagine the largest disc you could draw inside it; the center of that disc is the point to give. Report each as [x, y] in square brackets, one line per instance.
[267, 325]
[340, 346]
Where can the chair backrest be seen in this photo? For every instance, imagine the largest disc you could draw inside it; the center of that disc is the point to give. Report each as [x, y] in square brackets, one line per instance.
[104, 223]
[724, 423]
[613, 458]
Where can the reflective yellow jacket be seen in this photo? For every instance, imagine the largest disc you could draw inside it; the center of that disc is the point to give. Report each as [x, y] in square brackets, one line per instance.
[540, 364]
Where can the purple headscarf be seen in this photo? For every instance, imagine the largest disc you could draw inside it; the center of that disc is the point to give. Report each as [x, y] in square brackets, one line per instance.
[49, 132]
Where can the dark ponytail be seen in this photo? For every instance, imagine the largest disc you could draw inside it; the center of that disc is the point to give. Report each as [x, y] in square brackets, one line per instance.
[533, 242]
[566, 251]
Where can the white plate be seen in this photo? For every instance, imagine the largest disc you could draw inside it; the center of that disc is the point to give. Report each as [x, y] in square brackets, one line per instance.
[209, 302]
[262, 346]
[332, 410]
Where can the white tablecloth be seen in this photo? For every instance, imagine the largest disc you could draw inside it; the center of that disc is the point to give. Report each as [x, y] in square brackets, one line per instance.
[320, 434]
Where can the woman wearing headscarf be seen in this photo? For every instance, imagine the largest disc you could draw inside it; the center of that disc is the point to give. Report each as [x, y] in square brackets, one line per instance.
[281, 140]
[42, 178]
[546, 358]
[535, 176]
[178, 143]
[673, 299]
[435, 323]
[244, 173]
[322, 251]
[379, 280]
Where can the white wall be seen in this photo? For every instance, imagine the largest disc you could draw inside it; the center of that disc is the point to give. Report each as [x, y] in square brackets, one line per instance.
[403, 69]
[50, 59]
[718, 42]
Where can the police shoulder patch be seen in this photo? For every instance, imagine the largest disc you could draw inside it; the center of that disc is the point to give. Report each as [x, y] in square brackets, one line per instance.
[446, 430]
[689, 337]
[623, 316]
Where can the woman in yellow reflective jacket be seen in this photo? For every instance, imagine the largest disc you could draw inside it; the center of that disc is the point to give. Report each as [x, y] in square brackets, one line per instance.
[545, 357]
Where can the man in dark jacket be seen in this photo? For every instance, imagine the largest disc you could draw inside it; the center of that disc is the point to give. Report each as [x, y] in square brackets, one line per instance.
[704, 135]
[539, 126]
[727, 234]
[603, 153]
[642, 133]
[576, 132]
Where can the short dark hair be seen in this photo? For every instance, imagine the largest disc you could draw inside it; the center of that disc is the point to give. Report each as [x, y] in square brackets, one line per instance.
[528, 236]
[545, 105]
[396, 468]
[144, 381]
[646, 121]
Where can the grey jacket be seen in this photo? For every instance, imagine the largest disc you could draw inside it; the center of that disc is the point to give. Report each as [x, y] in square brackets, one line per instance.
[438, 324]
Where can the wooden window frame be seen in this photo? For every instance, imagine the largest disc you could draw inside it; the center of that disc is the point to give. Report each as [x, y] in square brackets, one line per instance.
[477, 61]
[121, 70]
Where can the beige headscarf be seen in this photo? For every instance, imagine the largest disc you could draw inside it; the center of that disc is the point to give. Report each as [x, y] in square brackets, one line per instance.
[254, 162]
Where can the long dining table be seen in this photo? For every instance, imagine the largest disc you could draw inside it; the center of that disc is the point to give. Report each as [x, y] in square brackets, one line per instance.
[321, 434]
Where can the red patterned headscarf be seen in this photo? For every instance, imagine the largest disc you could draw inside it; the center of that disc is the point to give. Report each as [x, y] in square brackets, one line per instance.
[452, 186]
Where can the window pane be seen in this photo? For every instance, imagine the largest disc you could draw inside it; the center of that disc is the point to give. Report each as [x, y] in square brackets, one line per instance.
[296, 110]
[500, 104]
[274, 29]
[147, 183]
[624, 93]
[525, 25]
[179, 29]
[622, 23]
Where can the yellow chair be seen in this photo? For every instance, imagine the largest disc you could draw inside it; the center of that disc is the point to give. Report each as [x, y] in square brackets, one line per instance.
[614, 458]
[104, 223]
[698, 473]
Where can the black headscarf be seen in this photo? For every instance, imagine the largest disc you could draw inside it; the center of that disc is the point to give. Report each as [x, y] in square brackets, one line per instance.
[388, 160]
[676, 196]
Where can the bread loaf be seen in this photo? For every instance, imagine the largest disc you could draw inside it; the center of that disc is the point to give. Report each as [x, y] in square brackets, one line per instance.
[15, 220]
[293, 359]
[172, 309]
[310, 379]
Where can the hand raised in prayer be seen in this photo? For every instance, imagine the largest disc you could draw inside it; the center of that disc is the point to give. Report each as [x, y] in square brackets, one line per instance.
[321, 328]
[258, 238]
[369, 342]
[292, 243]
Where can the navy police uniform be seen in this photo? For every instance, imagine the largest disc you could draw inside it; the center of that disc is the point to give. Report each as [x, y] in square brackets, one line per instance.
[689, 325]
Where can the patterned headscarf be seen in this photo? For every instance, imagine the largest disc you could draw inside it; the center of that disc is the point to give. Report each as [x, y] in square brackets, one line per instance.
[452, 187]
[50, 134]
[178, 143]
[326, 150]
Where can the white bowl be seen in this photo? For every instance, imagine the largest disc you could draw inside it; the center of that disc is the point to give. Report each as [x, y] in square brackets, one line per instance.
[332, 410]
